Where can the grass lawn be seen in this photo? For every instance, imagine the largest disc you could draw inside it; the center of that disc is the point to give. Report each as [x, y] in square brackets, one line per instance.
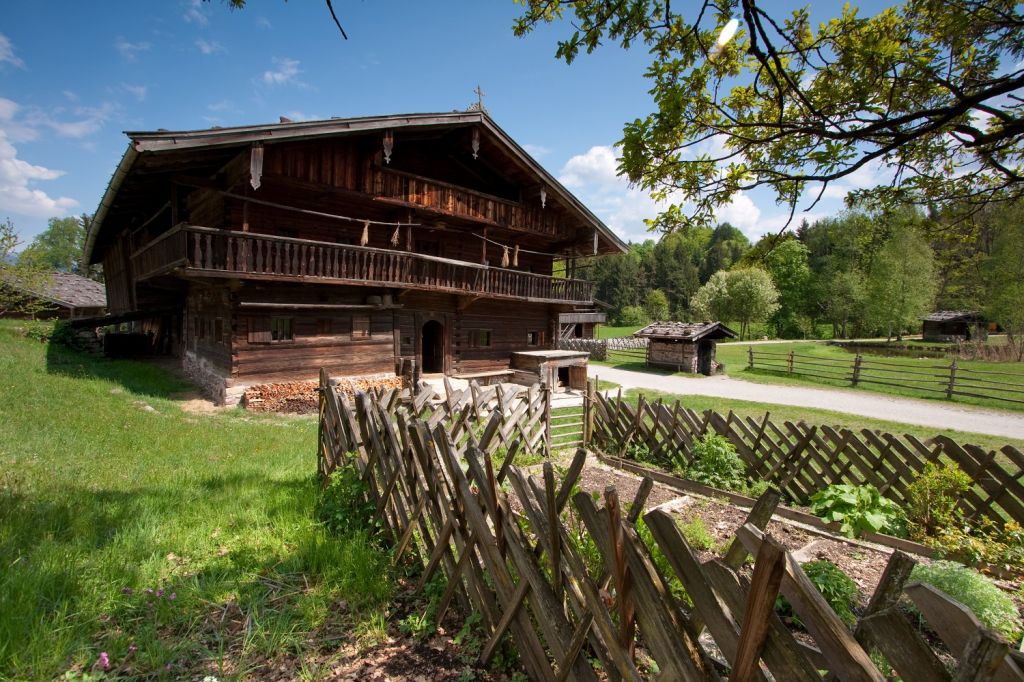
[810, 415]
[178, 544]
[607, 332]
[735, 359]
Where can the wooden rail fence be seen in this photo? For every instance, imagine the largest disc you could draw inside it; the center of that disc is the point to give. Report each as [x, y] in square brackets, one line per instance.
[801, 459]
[439, 487]
[929, 378]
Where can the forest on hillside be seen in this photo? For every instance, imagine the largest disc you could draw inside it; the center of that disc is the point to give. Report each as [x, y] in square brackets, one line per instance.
[858, 274]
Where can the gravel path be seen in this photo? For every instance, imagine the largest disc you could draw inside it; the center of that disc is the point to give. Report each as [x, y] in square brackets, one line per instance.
[905, 410]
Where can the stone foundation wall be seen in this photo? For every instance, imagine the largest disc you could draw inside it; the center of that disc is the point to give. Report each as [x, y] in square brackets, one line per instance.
[206, 376]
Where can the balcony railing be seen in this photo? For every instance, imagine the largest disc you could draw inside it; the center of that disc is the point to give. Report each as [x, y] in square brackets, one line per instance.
[465, 203]
[202, 250]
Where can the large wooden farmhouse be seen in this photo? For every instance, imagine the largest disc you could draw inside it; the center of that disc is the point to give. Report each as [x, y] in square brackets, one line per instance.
[425, 243]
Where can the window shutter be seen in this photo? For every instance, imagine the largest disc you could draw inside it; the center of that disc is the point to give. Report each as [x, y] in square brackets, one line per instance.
[259, 330]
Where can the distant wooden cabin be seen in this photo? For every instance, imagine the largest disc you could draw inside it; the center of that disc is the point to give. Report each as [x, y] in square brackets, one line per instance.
[62, 295]
[954, 325]
[369, 246]
[684, 346]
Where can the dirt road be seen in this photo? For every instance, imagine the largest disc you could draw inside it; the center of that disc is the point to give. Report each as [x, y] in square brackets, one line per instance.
[906, 410]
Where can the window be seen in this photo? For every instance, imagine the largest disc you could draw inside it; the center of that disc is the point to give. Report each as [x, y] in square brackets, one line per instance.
[323, 326]
[480, 338]
[360, 327]
[281, 329]
[533, 338]
[218, 330]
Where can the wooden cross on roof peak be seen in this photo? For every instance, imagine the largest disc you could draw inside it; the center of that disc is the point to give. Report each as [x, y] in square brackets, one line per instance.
[479, 106]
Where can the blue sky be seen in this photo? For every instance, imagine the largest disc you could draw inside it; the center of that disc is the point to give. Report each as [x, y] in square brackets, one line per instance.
[74, 75]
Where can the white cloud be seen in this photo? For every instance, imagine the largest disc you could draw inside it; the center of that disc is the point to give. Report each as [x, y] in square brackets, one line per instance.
[70, 95]
[263, 22]
[592, 176]
[300, 116]
[16, 192]
[138, 91]
[871, 174]
[286, 71]
[7, 53]
[87, 120]
[130, 51]
[209, 46]
[597, 167]
[536, 150]
[195, 14]
[222, 105]
[741, 212]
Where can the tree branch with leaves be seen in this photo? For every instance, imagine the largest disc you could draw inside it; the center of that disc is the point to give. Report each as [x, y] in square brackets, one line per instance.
[928, 89]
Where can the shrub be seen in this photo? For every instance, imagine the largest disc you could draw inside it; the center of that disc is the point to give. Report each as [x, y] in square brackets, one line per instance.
[835, 586]
[991, 605]
[858, 508]
[982, 543]
[343, 505]
[632, 316]
[715, 463]
[932, 499]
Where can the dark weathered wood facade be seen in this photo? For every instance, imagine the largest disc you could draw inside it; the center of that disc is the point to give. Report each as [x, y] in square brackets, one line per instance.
[954, 325]
[366, 246]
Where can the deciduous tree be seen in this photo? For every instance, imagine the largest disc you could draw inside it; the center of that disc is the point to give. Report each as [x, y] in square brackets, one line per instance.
[928, 89]
[901, 283]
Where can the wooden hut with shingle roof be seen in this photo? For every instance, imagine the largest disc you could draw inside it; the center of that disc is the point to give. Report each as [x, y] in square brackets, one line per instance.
[684, 346]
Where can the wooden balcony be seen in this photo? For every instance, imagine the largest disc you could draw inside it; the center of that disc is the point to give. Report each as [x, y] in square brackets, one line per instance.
[414, 190]
[202, 251]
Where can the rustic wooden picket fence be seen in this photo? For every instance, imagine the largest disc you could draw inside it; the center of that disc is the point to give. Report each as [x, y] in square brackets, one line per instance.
[439, 485]
[801, 459]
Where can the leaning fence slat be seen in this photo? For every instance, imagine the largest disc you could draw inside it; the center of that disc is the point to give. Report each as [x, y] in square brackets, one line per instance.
[845, 655]
[764, 588]
[955, 624]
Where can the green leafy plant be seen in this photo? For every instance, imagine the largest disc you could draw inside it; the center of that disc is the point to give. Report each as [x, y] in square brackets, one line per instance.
[932, 499]
[715, 463]
[982, 542]
[344, 506]
[857, 508]
[416, 625]
[697, 534]
[835, 586]
[662, 563]
[992, 606]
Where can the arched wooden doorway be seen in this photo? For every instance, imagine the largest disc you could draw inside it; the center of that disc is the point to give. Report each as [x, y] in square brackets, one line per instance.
[433, 347]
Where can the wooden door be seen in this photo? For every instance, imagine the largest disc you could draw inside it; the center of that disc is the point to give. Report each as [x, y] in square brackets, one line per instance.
[578, 378]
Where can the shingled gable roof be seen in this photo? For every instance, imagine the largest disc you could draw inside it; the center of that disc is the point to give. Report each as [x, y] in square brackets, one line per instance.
[66, 289]
[685, 331]
[163, 141]
[954, 316]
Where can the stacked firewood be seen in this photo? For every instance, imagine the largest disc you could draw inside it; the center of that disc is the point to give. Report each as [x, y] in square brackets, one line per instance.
[296, 397]
[300, 397]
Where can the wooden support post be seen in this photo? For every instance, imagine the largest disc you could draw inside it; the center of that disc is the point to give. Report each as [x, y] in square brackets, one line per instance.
[750, 355]
[791, 362]
[547, 418]
[623, 582]
[764, 588]
[952, 380]
[856, 369]
[588, 418]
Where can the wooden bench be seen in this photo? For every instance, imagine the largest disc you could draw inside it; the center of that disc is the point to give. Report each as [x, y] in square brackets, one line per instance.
[485, 378]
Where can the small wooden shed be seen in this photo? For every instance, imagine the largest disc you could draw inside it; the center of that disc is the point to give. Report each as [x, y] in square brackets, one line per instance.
[684, 346]
[954, 325]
